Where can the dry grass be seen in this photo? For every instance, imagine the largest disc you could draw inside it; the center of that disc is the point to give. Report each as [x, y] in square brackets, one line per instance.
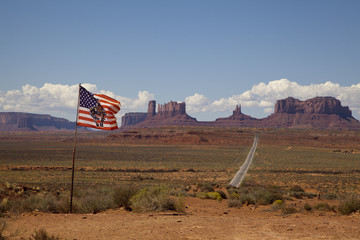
[321, 162]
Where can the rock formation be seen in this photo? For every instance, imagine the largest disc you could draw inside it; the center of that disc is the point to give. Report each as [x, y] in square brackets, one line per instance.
[317, 105]
[170, 109]
[132, 118]
[17, 121]
[151, 109]
[172, 113]
[237, 119]
[315, 113]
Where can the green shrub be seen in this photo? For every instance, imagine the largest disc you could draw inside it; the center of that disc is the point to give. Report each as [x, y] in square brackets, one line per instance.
[230, 191]
[156, 198]
[234, 195]
[267, 196]
[350, 204]
[41, 234]
[278, 204]
[122, 196]
[222, 194]
[214, 195]
[202, 195]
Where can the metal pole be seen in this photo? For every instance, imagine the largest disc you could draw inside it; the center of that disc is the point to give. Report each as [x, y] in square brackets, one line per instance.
[74, 151]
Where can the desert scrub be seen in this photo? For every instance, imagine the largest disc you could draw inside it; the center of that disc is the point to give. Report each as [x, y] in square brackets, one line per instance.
[350, 204]
[235, 203]
[329, 196]
[248, 198]
[42, 234]
[307, 207]
[278, 204]
[93, 200]
[289, 210]
[267, 196]
[44, 202]
[206, 187]
[153, 199]
[123, 194]
[222, 194]
[298, 192]
[3, 226]
[4, 206]
[180, 204]
[324, 207]
[209, 195]
[214, 195]
[234, 195]
[202, 195]
[296, 188]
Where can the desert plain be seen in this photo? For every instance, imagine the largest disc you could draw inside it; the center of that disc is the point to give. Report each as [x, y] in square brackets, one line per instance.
[324, 165]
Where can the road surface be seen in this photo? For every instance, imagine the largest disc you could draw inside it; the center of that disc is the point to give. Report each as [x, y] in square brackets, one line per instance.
[236, 181]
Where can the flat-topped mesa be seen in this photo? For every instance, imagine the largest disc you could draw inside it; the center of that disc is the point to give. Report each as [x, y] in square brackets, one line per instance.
[18, 121]
[171, 109]
[317, 105]
[132, 118]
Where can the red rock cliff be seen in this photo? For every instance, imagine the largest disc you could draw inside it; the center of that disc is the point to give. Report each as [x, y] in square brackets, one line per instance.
[317, 105]
[171, 109]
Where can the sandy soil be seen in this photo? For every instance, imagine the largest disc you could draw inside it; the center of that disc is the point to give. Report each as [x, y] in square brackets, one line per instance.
[205, 219]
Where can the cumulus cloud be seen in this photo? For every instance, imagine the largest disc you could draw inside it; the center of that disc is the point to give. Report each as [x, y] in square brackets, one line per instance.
[130, 104]
[264, 95]
[61, 100]
[197, 103]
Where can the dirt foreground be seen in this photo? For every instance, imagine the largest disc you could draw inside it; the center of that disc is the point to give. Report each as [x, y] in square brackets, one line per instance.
[205, 219]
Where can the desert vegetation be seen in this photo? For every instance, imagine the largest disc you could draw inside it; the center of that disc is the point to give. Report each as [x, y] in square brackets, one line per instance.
[293, 171]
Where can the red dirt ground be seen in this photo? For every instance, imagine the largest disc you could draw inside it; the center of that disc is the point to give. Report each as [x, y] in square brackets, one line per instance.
[204, 219]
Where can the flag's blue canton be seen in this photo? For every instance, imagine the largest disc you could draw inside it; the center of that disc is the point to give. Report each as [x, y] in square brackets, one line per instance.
[87, 99]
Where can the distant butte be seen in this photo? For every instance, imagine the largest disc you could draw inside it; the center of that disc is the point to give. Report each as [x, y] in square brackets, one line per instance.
[18, 121]
[315, 113]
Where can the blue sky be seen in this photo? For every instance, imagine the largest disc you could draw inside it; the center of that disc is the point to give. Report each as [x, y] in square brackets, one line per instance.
[210, 54]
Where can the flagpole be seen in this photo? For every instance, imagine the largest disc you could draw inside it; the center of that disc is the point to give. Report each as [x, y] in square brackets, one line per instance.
[74, 151]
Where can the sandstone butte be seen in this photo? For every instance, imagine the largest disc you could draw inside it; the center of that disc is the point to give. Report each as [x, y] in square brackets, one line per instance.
[314, 113]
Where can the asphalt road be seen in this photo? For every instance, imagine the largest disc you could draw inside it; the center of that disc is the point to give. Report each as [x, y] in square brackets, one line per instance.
[236, 181]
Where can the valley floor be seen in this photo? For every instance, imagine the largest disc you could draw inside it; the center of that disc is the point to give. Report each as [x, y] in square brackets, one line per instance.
[204, 219]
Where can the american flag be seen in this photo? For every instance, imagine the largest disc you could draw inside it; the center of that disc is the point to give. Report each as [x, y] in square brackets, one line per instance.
[89, 114]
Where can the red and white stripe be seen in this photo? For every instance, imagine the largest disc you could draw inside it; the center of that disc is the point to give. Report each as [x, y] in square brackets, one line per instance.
[111, 107]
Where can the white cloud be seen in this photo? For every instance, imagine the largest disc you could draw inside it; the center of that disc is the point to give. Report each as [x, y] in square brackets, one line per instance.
[139, 103]
[197, 103]
[264, 95]
[61, 100]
